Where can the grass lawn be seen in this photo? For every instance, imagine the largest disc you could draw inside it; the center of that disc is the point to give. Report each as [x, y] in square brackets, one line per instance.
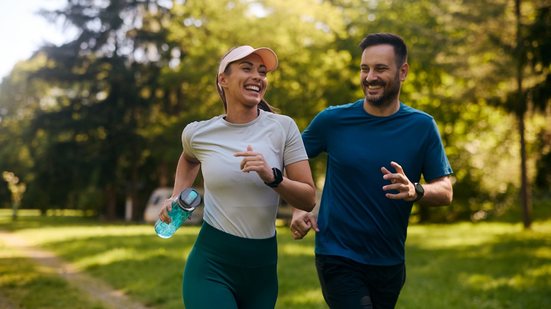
[27, 285]
[462, 265]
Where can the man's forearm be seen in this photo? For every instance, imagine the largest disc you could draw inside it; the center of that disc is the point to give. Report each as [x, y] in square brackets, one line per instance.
[438, 192]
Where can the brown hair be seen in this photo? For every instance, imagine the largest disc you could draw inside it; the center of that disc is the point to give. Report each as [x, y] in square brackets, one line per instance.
[400, 48]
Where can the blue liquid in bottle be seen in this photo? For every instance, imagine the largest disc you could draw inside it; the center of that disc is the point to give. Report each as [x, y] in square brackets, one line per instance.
[182, 208]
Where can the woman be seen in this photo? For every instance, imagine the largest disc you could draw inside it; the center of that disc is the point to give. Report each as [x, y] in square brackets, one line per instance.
[242, 156]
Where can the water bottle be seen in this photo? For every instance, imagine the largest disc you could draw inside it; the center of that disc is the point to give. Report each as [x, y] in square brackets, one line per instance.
[182, 207]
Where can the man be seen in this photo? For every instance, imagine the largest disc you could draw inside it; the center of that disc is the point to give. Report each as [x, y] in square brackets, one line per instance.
[377, 148]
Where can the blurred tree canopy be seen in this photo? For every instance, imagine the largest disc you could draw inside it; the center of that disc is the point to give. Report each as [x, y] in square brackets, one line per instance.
[95, 122]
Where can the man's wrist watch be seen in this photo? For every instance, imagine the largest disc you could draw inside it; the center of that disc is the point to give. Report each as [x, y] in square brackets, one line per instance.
[278, 178]
[419, 190]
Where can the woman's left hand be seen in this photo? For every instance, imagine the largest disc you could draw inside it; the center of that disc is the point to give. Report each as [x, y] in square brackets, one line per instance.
[254, 162]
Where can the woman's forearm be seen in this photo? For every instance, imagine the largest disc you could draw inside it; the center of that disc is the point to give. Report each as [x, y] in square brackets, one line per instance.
[186, 172]
[297, 188]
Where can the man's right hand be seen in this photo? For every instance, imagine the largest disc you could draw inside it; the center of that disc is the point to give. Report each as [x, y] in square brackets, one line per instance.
[302, 222]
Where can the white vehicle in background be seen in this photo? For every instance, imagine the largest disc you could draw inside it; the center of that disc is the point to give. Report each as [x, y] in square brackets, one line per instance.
[155, 202]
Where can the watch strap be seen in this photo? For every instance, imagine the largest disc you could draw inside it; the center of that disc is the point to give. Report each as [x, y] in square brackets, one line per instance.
[278, 178]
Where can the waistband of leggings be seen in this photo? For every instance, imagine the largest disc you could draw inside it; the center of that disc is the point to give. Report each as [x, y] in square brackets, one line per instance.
[235, 250]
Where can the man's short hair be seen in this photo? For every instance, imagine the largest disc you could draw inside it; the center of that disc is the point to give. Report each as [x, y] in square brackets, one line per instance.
[400, 48]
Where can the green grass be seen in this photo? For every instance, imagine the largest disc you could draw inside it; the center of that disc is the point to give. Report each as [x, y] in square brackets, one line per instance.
[30, 286]
[462, 265]
[485, 265]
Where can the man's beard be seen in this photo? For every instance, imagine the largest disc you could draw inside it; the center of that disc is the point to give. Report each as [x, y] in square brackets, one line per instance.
[389, 94]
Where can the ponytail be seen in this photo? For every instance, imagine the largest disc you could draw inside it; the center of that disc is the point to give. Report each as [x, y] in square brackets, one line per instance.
[221, 94]
[263, 105]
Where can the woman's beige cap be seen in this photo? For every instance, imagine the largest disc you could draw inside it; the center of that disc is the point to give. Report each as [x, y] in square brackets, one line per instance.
[268, 56]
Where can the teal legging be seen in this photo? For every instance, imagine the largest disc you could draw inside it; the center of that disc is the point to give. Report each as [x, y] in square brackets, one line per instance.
[224, 271]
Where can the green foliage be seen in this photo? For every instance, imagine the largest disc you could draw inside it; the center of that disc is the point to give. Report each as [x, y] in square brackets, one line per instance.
[301, 33]
[97, 120]
[90, 137]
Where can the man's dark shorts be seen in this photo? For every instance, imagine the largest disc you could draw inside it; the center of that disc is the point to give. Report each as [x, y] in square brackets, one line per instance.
[347, 284]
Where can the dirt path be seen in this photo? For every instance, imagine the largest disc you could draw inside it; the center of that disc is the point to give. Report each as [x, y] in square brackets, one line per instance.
[95, 288]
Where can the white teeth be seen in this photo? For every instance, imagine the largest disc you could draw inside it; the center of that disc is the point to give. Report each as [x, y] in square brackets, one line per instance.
[374, 87]
[253, 88]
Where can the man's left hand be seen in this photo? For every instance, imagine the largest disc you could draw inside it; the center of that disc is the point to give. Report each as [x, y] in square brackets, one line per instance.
[398, 182]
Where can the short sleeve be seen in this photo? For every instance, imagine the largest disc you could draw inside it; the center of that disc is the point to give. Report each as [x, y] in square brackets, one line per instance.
[436, 163]
[187, 135]
[314, 135]
[294, 147]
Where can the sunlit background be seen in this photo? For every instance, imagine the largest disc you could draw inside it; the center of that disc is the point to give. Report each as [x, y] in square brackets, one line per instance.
[94, 97]
[24, 30]
[90, 131]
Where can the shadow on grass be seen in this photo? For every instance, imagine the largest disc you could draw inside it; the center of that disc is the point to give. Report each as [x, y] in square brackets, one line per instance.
[449, 266]
[28, 286]
[509, 271]
[149, 269]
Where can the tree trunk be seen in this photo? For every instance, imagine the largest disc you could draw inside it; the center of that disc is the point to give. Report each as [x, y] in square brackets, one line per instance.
[111, 202]
[525, 199]
[521, 111]
[134, 193]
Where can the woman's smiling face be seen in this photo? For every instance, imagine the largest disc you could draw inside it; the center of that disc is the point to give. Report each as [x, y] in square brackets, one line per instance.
[245, 81]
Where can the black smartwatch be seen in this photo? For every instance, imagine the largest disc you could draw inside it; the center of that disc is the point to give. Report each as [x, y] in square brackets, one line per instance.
[278, 178]
[419, 191]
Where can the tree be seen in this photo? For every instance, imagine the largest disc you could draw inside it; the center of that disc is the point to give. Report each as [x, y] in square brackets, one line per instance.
[100, 119]
[20, 97]
[105, 79]
[533, 64]
[538, 48]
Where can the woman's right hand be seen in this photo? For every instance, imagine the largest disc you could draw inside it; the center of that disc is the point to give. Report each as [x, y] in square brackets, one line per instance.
[165, 209]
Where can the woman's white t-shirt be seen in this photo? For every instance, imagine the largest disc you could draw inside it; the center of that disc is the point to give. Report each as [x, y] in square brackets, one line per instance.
[236, 202]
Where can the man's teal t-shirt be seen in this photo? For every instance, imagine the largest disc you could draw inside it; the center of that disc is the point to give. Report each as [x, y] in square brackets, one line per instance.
[356, 220]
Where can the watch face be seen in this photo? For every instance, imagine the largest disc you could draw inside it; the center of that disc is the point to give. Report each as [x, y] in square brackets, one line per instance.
[419, 189]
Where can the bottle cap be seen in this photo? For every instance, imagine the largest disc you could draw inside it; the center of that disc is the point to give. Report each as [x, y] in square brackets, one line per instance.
[189, 199]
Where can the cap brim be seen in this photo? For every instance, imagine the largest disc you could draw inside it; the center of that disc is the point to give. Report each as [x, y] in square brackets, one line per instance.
[269, 57]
